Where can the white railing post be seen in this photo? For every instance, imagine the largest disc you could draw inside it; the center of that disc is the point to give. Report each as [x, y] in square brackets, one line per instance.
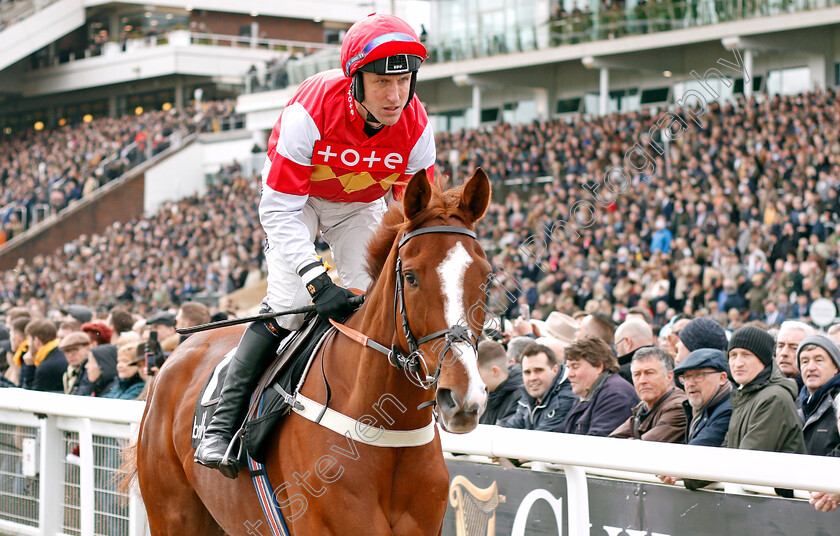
[577, 493]
[51, 492]
[86, 481]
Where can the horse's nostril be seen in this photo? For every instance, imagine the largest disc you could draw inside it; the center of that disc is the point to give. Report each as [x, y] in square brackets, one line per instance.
[446, 400]
[472, 408]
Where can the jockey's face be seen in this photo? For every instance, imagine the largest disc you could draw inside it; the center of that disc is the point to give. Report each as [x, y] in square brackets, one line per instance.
[385, 96]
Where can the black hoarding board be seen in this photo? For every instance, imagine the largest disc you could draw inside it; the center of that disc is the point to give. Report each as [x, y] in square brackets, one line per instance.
[486, 500]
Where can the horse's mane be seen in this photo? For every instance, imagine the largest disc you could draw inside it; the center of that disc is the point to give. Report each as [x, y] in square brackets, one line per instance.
[442, 205]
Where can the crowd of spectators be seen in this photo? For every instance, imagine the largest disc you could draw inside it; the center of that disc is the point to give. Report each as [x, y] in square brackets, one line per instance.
[715, 387]
[742, 225]
[207, 244]
[43, 171]
[73, 351]
[615, 18]
[723, 250]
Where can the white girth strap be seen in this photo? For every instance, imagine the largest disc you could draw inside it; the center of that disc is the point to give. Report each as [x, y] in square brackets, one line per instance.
[344, 425]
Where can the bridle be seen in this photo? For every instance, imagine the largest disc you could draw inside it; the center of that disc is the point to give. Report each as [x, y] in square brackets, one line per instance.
[457, 333]
[414, 364]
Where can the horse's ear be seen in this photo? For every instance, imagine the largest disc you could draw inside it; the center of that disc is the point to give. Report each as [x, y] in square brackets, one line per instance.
[476, 196]
[417, 195]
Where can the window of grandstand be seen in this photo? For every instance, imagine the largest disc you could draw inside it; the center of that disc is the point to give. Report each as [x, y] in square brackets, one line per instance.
[567, 106]
[756, 84]
[489, 115]
[620, 100]
[655, 95]
[725, 91]
[520, 112]
[449, 121]
[788, 81]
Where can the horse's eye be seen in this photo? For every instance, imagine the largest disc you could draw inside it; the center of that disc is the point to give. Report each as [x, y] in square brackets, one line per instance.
[411, 279]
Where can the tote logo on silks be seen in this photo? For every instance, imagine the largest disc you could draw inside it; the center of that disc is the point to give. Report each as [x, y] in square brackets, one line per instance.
[359, 159]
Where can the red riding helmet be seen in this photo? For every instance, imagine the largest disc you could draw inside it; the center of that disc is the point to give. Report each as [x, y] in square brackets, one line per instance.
[381, 44]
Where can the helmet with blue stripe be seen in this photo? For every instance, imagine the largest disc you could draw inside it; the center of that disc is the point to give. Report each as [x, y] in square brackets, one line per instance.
[381, 44]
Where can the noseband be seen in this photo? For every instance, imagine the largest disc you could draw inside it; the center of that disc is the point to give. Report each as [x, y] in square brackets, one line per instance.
[413, 364]
[457, 333]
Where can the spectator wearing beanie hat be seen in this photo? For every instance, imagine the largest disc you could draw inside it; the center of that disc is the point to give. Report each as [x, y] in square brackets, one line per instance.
[819, 360]
[764, 413]
[700, 333]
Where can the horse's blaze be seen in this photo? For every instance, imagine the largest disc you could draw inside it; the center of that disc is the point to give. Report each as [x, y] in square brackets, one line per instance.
[470, 396]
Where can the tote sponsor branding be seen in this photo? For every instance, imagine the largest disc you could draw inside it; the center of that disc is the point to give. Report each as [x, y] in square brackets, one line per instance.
[359, 159]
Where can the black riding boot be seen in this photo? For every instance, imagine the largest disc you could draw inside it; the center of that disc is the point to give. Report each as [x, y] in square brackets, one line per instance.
[256, 350]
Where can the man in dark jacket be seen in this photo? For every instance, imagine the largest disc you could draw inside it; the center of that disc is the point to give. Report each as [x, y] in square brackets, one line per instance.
[707, 387]
[44, 364]
[503, 382]
[819, 362]
[659, 416]
[605, 397]
[764, 415]
[708, 410]
[548, 394]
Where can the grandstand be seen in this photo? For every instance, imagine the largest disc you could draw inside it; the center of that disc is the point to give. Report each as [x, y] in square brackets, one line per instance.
[643, 154]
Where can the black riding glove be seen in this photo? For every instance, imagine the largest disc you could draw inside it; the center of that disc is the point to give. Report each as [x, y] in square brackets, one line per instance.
[331, 301]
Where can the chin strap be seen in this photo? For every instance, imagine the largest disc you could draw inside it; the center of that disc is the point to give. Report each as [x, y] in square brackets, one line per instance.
[370, 117]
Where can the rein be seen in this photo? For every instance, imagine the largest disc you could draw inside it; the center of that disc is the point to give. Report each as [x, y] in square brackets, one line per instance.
[412, 363]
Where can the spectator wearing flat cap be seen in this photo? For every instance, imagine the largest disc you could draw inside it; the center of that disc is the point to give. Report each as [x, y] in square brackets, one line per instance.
[76, 348]
[764, 415]
[704, 373]
[819, 361]
[80, 313]
[700, 333]
[164, 324]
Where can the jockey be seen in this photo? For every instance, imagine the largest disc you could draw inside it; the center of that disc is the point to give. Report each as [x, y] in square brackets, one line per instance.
[341, 143]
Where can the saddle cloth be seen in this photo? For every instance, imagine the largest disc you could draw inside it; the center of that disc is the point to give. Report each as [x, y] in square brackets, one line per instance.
[274, 392]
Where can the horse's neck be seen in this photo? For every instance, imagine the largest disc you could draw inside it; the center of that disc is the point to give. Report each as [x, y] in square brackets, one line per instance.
[378, 388]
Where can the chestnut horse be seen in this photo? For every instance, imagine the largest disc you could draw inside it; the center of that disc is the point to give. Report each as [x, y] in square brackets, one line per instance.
[427, 301]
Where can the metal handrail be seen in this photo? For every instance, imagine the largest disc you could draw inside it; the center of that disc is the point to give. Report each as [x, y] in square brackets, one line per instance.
[36, 6]
[257, 42]
[652, 17]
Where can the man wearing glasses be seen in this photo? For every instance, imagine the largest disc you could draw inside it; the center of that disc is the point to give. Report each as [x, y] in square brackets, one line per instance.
[704, 373]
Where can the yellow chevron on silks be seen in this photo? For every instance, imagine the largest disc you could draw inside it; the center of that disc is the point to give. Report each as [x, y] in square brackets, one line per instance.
[352, 182]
